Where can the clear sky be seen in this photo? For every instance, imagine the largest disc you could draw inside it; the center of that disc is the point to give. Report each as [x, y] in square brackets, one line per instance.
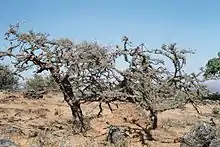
[190, 23]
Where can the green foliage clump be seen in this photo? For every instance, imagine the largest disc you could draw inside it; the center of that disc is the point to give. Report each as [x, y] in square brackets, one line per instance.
[36, 83]
[8, 80]
[39, 83]
[213, 68]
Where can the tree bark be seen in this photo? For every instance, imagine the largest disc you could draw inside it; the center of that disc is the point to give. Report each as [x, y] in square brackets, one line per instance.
[153, 118]
[69, 98]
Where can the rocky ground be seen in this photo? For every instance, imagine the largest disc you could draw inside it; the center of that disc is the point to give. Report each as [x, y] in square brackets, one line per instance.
[47, 122]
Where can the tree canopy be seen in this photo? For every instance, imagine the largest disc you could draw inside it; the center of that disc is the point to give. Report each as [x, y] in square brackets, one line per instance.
[212, 70]
[87, 71]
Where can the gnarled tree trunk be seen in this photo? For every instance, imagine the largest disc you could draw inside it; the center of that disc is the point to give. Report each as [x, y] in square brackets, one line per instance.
[73, 103]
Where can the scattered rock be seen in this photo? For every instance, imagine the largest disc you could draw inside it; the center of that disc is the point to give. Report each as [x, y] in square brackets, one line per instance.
[115, 135]
[9, 129]
[215, 143]
[12, 129]
[7, 143]
[200, 136]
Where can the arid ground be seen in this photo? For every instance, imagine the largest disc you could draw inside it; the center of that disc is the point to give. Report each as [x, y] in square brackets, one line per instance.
[47, 122]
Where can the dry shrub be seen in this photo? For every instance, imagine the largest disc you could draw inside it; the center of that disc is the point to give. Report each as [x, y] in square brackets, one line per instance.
[88, 72]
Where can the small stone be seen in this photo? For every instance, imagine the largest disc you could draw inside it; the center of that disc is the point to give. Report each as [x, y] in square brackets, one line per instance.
[11, 129]
[215, 143]
[115, 135]
[200, 136]
[7, 143]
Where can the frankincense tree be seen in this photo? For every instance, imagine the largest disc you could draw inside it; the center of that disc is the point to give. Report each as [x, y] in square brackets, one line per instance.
[80, 70]
[148, 83]
[87, 72]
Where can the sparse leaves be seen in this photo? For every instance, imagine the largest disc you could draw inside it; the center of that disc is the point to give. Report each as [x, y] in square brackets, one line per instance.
[212, 70]
[87, 71]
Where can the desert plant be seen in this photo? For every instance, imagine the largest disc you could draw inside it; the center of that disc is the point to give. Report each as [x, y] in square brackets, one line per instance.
[87, 72]
[40, 82]
[212, 70]
[36, 83]
[8, 80]
[78, 69]
[148, 83]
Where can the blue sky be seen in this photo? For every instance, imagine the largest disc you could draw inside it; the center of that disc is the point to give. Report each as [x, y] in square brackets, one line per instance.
[190, 23]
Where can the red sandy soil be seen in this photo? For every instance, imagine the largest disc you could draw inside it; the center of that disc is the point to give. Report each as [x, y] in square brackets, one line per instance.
[48, 122]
